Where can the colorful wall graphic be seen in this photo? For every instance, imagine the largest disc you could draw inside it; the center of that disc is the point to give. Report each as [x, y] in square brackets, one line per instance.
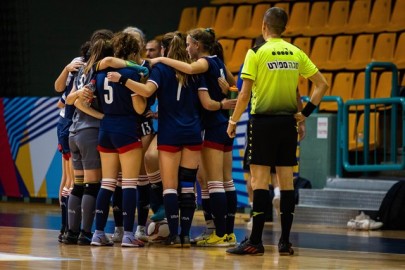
[30, 164]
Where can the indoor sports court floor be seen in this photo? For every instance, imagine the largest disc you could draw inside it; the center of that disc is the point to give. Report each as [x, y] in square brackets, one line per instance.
[28, 240]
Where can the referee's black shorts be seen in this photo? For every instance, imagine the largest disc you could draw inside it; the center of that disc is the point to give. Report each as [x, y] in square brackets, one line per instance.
[272, 140]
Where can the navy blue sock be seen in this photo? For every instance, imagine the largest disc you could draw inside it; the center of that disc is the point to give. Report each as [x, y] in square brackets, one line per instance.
[102, 208]
[172, 210]
[143, 202]
[117, 207]
[128, 207]
[218, 206]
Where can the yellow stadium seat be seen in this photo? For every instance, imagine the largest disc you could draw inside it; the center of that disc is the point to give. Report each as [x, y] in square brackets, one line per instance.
[342, 86]
[384, 47]
[255, 28]
[304, 43]
[340, 53]
[359, 85]
[238, 55]
[379, 16]
[320, 51]
[384, 85]
[397, 22]
[223, 20]
[207, 17]
[227, 47]
[399, 54]
[338, 16]
[359, 16]
[298, 19]
[361, 52]
[241, 22]
[318, 17]
[188, 19]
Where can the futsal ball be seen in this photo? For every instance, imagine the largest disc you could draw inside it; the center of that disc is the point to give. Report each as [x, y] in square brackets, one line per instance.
[158, 231]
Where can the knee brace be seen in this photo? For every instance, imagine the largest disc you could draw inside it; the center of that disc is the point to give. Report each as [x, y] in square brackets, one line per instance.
[187, 177]
[77, 190]
[92, 189]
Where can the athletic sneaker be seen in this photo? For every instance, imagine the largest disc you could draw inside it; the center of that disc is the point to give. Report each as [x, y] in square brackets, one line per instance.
[247, 248]
[232, 239]
[214, 240]
[100, 239]
[159, 215]
[141, 233]
[84, 238]
[60, 237]
[118, 234]
[284, 248]
[173, 241]
[70, 238]
[185, 241]
[364, 224]
[129, 240]
[276, 204]
[204, 235]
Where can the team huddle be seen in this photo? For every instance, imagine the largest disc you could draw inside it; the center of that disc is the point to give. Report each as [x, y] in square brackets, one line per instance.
[116, 153]
[111, 151]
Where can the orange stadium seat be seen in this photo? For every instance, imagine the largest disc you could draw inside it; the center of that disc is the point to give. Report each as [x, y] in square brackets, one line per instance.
[340, 53]
[338, 17]
[359, 85]
[320, 51]
[255, 28]
[399, 54]
[318, 17]
[379, 16]
[223, 20]
[298, 19]
[304, 43]
[384, 47]
[241, 22]
[188, 19]
[384, 85]
[361, 52]
[207, 16]
[359, 17]
[227, 46]
[397, 22]
[374, 136]
[238, 55]
[342, 87]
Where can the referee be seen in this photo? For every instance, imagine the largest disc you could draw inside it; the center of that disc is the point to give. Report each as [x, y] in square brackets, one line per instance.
[270, 74]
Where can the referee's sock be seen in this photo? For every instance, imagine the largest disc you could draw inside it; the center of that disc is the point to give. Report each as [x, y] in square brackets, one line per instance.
[287, 207]
[261, 198]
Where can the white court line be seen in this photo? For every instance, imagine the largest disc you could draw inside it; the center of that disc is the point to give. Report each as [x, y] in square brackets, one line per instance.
[19, 257]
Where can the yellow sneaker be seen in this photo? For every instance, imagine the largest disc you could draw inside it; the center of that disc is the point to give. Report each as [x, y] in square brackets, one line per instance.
[232, 239]
[214, 241]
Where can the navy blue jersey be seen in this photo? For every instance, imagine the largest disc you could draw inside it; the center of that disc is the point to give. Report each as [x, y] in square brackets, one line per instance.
[216, 69]
[115, 98]
[179, 107]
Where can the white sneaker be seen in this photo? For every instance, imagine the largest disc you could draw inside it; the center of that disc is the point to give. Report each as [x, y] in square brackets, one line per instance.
[118, 234]
[141, 233]
[362, 216]
[276, 204]
[365, 224]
